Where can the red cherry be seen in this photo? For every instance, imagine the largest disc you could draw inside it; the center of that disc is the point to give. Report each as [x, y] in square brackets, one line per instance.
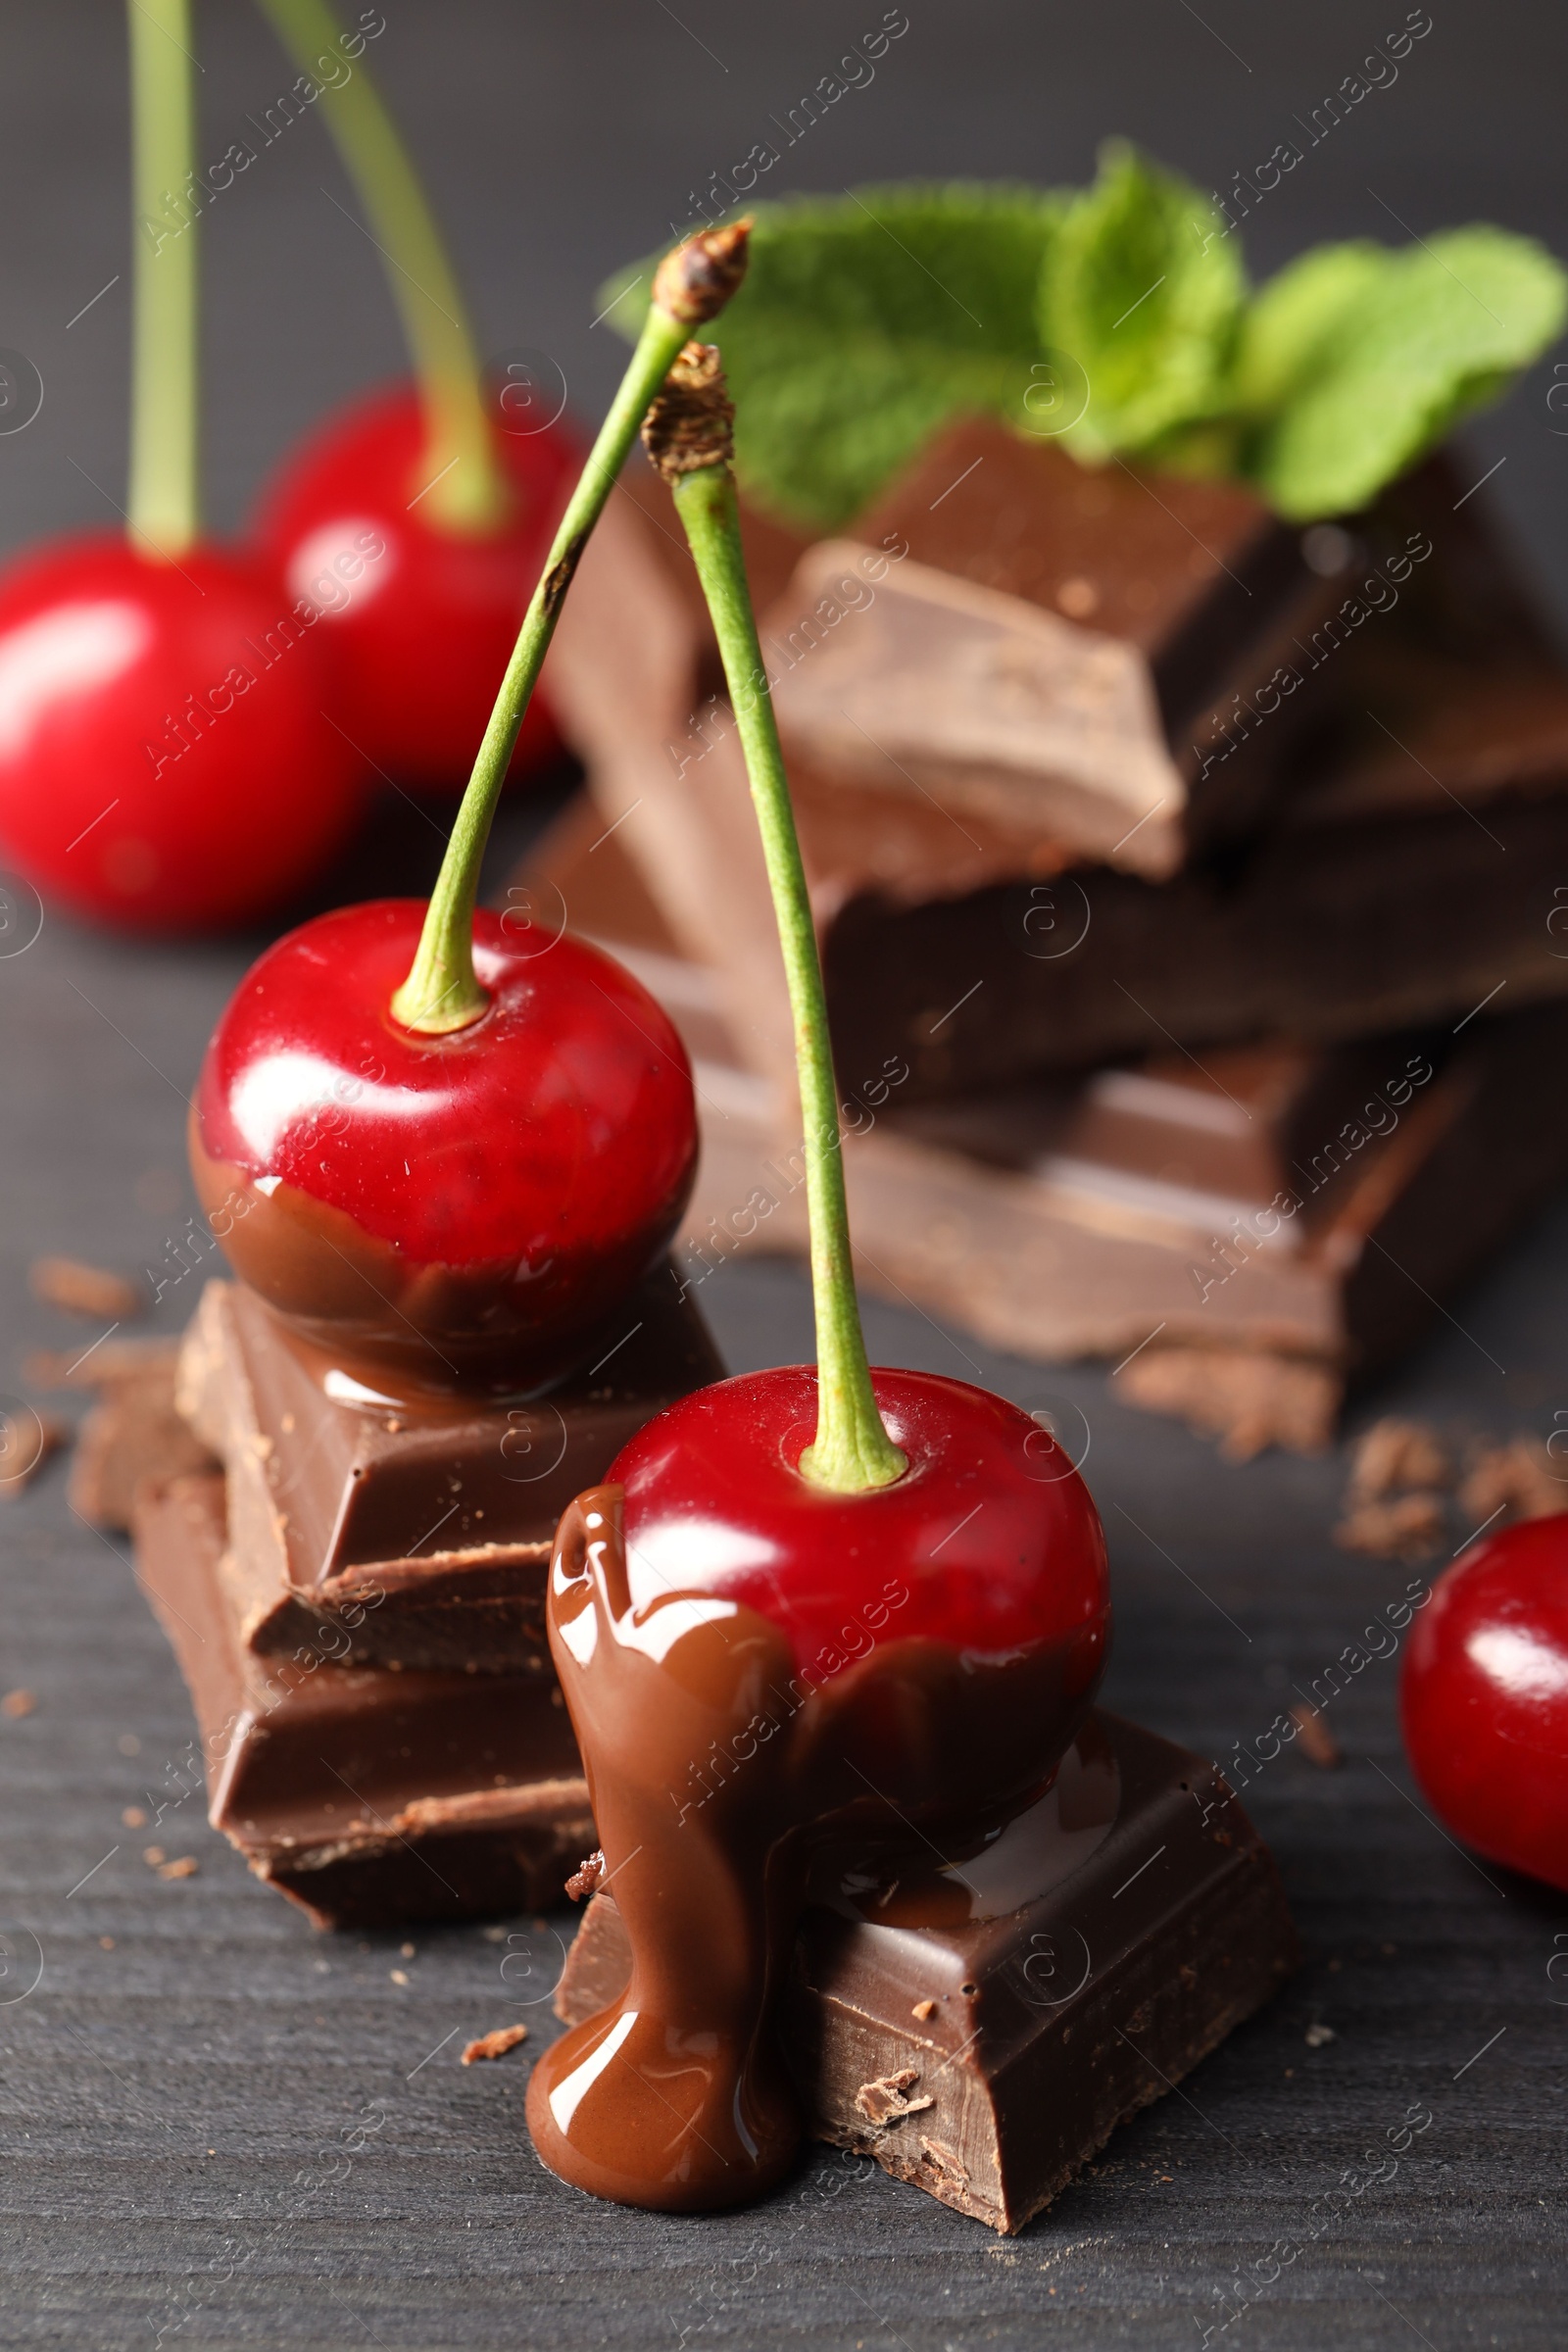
[467, 1208]
[164, 762]
[423, 630]
[1484, 1698]
[756, 1668]
[997, 1531]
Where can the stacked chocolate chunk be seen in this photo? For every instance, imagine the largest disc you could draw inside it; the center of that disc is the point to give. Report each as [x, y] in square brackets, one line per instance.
[356, 1604]
[1185, 885]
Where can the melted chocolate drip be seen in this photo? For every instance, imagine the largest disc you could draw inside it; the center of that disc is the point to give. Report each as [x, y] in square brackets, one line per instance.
[677, 2096]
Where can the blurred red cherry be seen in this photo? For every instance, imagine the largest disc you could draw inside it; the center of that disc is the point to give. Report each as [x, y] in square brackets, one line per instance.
[164, 762]
[1484, 1698]
[423, 630]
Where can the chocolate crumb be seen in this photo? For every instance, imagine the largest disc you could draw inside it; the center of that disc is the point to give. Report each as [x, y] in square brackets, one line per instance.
[28, 1439]
[585, 1879]
[923, 2009]
[1247, 1399]
[83, 1290]
[1394, 1457]
[887, 2100]
[493, 2045]
[1403, 1527]
[1518, 1481]
[17, 1702]
[185, 1866]
[1317, 1742]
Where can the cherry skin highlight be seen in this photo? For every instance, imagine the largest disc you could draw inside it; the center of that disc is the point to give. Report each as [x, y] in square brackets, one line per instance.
[459, 1210]
[1484, 1698]
[421, 630]
[761, 1673]
[164, 763]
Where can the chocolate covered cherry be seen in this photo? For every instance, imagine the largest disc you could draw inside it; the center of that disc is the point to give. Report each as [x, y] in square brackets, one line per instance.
[1484, 1698]
[757, 1666]
[436, 1209]
[443, 1144]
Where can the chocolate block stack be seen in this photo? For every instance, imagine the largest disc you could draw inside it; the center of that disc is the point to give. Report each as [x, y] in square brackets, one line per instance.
[358, 1607]
[1186, 888]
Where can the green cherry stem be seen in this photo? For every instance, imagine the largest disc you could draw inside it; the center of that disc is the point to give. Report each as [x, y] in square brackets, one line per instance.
[690, 287]
[162, 506]
[466, 489]
[689, 438]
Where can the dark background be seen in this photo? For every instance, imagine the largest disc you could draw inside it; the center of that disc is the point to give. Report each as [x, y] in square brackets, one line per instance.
[220, 2130]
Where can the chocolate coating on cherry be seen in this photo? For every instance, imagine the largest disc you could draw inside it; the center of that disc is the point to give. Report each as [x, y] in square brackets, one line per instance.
[467, 1209]
[756, 1669]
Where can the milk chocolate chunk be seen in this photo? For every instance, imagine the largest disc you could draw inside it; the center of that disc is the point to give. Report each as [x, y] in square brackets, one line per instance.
[436, 1513]
[368, 1796]
[982, 2029]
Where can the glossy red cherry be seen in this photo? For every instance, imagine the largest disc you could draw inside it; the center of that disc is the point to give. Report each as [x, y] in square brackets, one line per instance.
[164, 762]
[443, 1209]
[1484, 1698]
[421, 629]
[754, 1668]
[990, 1525]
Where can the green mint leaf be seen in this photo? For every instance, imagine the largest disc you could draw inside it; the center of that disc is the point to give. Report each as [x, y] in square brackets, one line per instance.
[1366, 377]
[1291, 320]
[1144, 292]
[864, 324]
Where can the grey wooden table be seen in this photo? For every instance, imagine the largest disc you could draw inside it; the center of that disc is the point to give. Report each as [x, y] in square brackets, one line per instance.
[220, 2127]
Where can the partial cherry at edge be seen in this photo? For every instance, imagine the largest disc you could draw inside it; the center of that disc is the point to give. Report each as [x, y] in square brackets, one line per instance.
[421, 620]
[463, 1211]
[164, 762]
[1484, 1698]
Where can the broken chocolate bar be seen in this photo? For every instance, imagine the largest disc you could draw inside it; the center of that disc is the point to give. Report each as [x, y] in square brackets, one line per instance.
[1063, 650]
[1398, 882]
[980, 2027]
[369, 1796]
[1280, 1198]
[438, 1513]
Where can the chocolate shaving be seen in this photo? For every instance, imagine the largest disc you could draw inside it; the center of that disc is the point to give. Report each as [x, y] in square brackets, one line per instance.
[1247, 1400]
[1314, 1737]
[493, 2045]
[1521, 1480]
[887, 2102]
[1405, 1527]
[1396, 1458]
[585, 1879]
[83, 1290]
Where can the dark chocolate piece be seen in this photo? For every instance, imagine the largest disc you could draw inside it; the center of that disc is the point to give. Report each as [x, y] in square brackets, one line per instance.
[1193, 587]
[1073, 1216]
[443, 1507]
[368, 1796]
[1398, 882]
[983, 2028]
